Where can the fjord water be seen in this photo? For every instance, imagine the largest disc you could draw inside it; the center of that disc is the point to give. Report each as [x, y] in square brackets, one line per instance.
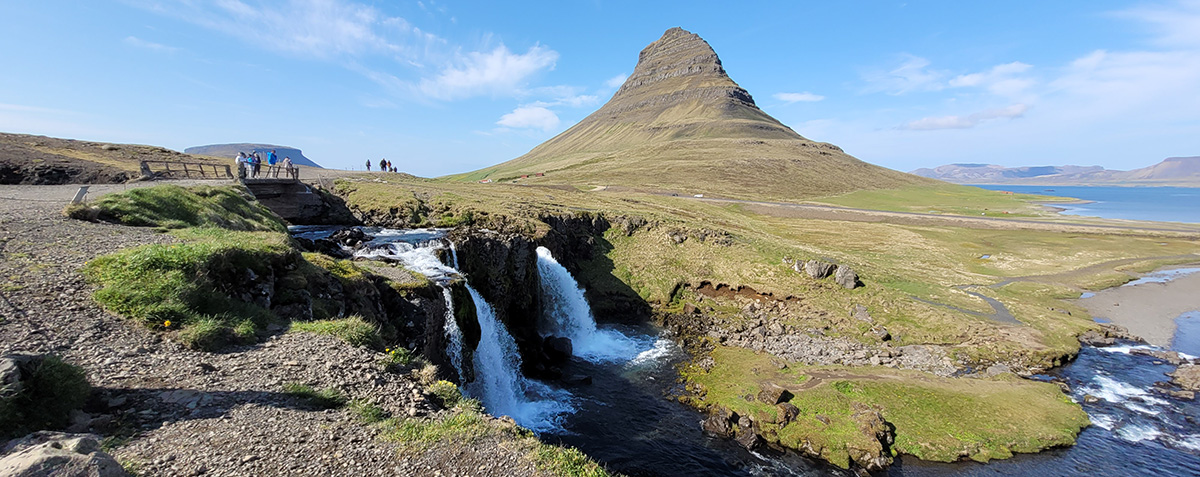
[1161, 204]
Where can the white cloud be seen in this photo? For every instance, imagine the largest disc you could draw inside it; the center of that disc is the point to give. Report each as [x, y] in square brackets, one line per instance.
[965, 122]
[912, 74]
[148, 45]
[530, 117]
[798, 97]
[1002, 80]
[1175, 25]
[499, 72]
[616, 81]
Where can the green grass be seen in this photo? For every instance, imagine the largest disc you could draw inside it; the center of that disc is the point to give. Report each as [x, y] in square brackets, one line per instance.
[366, 412]
[946, 199]
[186, 287]
[940, 419]
[46, 399]
[327, 398]
[174, 207]
[354, 330]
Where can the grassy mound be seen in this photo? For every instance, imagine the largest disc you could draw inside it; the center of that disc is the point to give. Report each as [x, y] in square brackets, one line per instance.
[939, 419]
[353, 330]
[174, 207]
[187, 287]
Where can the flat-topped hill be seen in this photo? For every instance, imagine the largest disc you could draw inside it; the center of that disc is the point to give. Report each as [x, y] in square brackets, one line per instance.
[1172, 171]
[680, 124]
[231, 150]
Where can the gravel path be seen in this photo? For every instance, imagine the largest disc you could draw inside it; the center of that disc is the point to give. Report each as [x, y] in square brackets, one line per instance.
[196, 413]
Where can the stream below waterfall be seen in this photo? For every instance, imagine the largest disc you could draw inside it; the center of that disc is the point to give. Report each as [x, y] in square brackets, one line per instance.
[626, 419]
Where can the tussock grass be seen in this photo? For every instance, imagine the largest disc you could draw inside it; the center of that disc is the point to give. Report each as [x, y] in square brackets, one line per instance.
[45, 400]
[185, 286]
[353, 330]
[174, 207]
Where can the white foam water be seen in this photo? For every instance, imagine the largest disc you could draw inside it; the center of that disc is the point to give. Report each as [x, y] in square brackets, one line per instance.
[499, 383]
[1138, 433]
[569, 315]
[662, 347]
[453, 336]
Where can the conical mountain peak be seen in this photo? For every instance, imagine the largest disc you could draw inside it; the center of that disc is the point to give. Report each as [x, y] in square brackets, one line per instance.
[680, 124]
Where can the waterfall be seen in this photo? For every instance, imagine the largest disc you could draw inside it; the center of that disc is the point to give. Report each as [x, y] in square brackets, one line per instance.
[453, 335]
[498, 381]
[569, 315]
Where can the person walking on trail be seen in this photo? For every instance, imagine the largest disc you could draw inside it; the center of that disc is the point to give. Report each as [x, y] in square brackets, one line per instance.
[368, 165]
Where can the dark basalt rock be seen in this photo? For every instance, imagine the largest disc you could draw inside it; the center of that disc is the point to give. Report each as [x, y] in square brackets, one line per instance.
[1096, 338]
[558, 349]
[720, 423]
[774, 395]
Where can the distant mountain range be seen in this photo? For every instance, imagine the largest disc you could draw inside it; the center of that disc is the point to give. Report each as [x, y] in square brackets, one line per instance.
[231, 150]
[1178, 171]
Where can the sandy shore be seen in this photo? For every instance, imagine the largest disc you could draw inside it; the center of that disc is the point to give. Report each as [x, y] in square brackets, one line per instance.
[1149, 310]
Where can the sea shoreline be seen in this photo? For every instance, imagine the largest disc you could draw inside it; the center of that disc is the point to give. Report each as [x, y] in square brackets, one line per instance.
[1148, 310]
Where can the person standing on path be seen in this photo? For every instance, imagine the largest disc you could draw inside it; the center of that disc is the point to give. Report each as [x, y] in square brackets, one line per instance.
[368, 165]
[257, 165]
[241, 165]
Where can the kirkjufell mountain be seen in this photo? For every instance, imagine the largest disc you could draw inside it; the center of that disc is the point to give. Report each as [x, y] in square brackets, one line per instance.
[680, 124]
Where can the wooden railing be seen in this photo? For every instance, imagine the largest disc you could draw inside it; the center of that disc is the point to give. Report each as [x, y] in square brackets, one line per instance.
[273, 172]
[190, 170]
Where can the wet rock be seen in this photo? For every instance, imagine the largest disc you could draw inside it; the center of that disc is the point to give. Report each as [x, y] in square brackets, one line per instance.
[749, 439]
[774, 395]
[1090, 399]
[57, 454]
[1187, 377]
[720, 423]
[558, 349]
[352, 237]
[1172, 357]
[1096, 338]
[577, 380]
[846, 277]
[818, 268]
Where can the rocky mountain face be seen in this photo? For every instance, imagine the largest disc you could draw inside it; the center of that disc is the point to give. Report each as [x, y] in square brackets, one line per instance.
[231, 150]
[680, 124]
[1171, 171]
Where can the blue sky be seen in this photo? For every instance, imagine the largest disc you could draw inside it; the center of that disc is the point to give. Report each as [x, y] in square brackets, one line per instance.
[444, 87]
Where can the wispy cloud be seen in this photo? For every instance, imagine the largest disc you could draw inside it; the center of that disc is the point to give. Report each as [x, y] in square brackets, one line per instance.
[530, 117]
[498, 72]
[1174, 24]
[148, 45]
[965, 122]
[910, 75]
[616, 81]
[798, 97]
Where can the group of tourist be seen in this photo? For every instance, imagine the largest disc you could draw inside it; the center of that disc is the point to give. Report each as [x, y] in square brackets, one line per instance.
[384, 165]
[250, 165]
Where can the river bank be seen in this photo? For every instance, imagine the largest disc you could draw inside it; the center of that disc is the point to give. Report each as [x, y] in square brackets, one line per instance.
[1149, 308]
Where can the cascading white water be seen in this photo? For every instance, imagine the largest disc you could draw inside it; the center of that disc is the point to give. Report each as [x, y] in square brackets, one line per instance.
[570, 316]
[453, 335]
[498, 381]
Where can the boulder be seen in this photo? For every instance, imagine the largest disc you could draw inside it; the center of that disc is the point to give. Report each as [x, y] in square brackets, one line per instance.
[1096, 338]
[720, 423]
[877, 455]
[1187, 377]
[577, 380]
[352, 237]
[860, 313]
[818, 268]
[46, 454]
[774, 395]
[785, 413]
[1172, 357]
[749, 439]
[558, 349]
[846, 277]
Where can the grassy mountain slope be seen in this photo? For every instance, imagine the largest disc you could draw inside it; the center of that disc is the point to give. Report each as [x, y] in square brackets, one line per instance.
[679, 124]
